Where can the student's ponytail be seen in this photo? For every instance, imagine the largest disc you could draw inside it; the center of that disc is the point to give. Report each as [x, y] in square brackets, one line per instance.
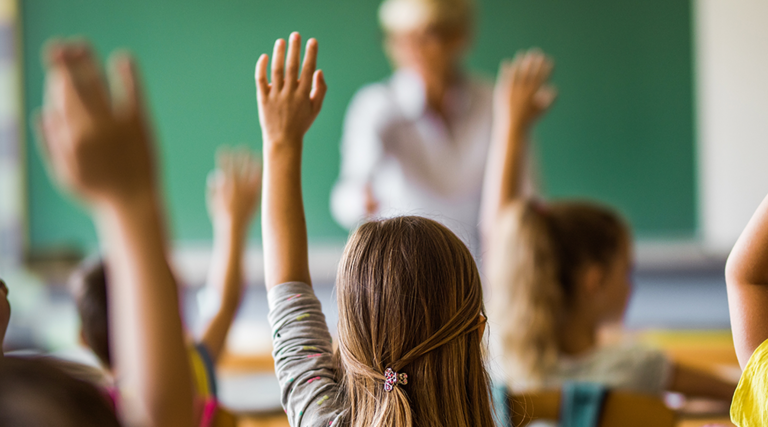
[526, 296]
[535, 259]
[369, 402]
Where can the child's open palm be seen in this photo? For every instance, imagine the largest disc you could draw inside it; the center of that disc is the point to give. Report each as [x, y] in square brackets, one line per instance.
[234, 188]
[522, 91]
[97, 142]
[289, 105]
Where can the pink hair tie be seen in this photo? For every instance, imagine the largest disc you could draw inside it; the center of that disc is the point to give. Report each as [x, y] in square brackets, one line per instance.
[392, 378]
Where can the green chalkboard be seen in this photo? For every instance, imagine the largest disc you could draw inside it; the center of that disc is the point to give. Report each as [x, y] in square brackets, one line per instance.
[622, 131]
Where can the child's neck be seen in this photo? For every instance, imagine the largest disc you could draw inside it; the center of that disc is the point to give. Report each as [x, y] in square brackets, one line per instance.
[578, 335]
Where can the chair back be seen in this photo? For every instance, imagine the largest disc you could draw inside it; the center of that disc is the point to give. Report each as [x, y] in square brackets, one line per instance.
[619, 409]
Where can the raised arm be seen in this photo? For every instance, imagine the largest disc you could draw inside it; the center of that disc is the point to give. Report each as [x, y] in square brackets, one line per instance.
[287, 107]
[234, 190]
[521, 96]
[99, 147]
[746, 275]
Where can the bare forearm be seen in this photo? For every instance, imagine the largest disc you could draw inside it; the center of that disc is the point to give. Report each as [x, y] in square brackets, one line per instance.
[503, 179]
[150, 353]
[284, 230]
[512, 155]
[226, 275]
[695, 383]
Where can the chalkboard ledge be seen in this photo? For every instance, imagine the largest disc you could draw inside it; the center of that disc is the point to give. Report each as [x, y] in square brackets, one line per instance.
[191, 261]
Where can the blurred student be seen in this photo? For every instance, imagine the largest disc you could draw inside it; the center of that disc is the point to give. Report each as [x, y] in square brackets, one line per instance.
[559, 271]
[416, 143]
[98, 146]
[746, 274]
[37, 391]
[234, 190]
[409, 294]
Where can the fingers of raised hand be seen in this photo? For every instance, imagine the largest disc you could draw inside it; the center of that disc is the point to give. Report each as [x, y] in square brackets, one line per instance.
[309, 66]
[545, 97]
[238, 165]
[262, 81]
[250, 170]
[531, 66]
[55, 145]
[227, 162]
[126, 84]
[317, 95]
[515, 67]
[278, 64]
[285, 66]
[214, 181]
[241, 157]
[84, 78]
[536, 67]
[50, 135]
[292, 62]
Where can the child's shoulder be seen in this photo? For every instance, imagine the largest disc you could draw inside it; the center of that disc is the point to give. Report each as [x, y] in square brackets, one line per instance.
[628, 356]
[624, 366]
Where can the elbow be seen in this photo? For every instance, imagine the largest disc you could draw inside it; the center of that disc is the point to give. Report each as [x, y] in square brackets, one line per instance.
[731, 270]
[735, 272]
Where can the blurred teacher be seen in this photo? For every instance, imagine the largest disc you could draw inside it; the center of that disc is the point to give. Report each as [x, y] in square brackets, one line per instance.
[416, 143]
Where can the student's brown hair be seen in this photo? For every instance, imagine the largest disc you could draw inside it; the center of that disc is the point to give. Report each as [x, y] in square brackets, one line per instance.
[534, 264]
[35, 392]
[410, 299]
[89, 286]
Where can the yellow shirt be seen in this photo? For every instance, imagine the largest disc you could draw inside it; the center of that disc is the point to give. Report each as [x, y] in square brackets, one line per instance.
[750, 402]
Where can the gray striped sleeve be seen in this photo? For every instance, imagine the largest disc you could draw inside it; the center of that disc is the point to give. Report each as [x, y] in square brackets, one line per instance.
[303, 355]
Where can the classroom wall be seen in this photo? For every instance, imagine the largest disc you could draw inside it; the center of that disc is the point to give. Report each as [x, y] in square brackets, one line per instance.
[732, 74]
[621, 132]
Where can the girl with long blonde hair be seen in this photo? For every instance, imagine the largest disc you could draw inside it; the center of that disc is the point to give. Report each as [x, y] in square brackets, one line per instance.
[411, 314]
[560, 271]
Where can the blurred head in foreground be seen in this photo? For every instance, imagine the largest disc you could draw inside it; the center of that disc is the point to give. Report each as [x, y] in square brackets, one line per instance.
[34, 392]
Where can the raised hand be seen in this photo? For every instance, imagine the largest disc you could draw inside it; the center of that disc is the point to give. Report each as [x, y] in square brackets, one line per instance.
[522, 90]
[521, 96]
[98, 143]
[289, 105]
[287, 108]
[99, 147]
[234, 190]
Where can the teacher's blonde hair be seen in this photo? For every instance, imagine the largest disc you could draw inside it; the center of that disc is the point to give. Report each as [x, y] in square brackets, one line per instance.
[397, 16]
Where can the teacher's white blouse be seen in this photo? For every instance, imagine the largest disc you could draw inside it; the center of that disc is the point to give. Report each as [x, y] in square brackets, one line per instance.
[415, 162]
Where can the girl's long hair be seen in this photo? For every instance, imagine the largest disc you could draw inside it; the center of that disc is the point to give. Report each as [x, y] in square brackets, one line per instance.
[410, 299]
[534, 263]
